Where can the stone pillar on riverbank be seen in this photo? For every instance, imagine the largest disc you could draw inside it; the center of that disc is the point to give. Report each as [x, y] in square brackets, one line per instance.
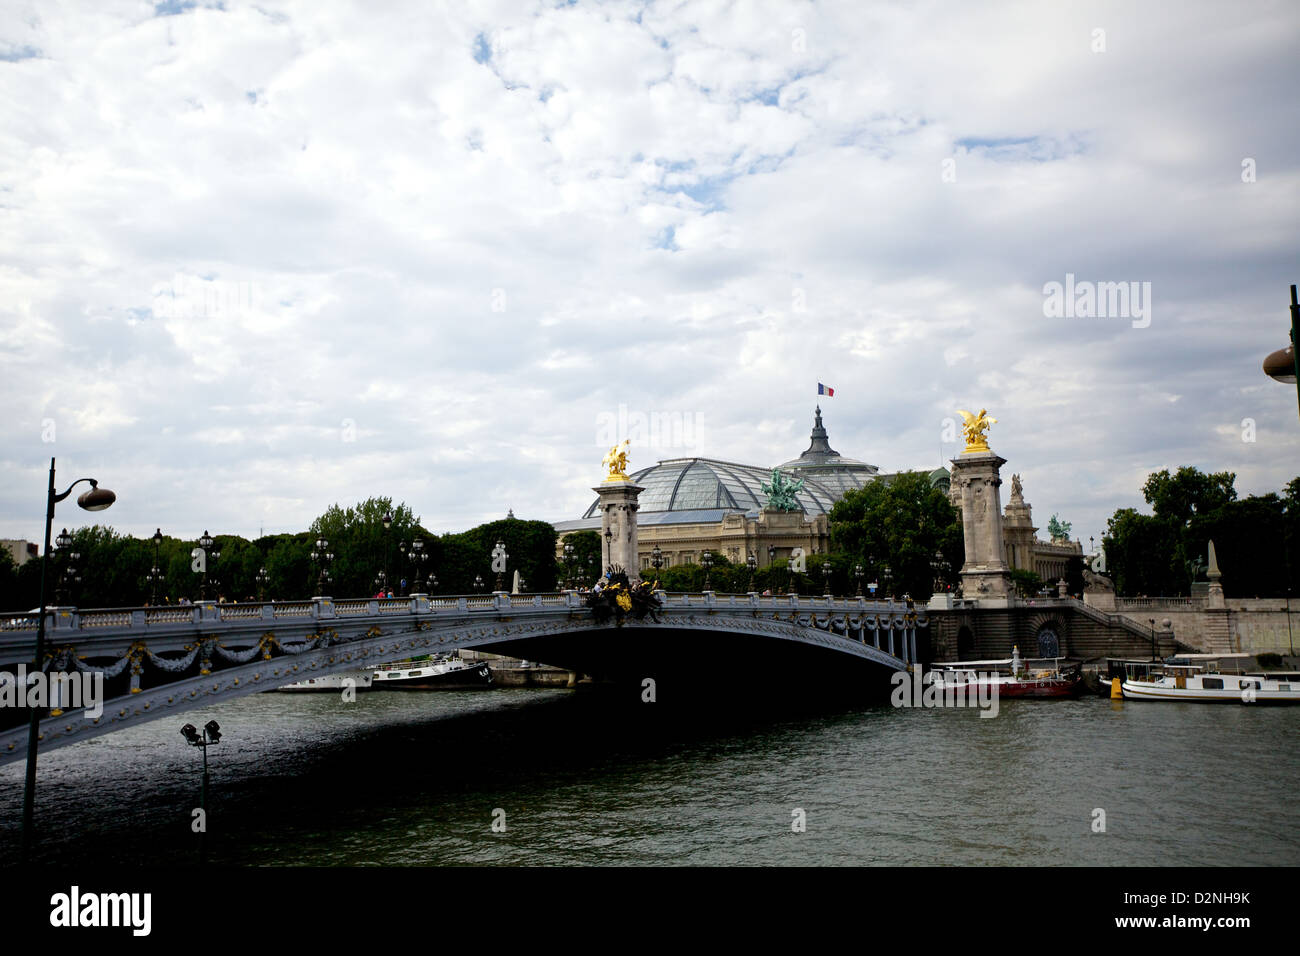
[985, 576]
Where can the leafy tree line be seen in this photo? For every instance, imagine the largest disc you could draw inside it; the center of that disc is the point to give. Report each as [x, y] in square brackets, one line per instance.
[114, 567]
[1256, 539]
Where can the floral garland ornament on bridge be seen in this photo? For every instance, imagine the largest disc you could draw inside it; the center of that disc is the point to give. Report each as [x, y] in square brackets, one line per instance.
[615, 596]
[974, 429]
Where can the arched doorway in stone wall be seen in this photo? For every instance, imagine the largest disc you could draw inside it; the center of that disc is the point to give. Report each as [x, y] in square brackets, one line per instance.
[1049, 642]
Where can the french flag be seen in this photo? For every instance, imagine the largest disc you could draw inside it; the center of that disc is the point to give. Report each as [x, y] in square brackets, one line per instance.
[824, 390]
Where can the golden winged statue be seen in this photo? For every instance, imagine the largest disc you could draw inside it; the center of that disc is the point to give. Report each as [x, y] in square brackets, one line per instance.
[974, 429]
[616, 459]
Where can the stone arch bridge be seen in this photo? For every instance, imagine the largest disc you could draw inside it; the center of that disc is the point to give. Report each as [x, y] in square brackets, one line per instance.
[162, 661]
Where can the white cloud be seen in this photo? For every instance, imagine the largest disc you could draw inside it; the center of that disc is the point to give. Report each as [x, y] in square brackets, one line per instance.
[704, 208]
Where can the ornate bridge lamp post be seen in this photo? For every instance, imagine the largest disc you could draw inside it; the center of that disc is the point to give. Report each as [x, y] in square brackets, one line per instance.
[381, 583]
[430, 583]
[568, 566]
[68, 567]
[322, 557]
[858, 575]
[888, 576]
[478, 583]
[262, 580]
[211, 735]
[656, 559]
[826, 576]
[205, 545]
[96, 499]
[499, 558]
[939, 568]
[752, 563]
[388, 544]
[417, 557]
[155, 576]
[706, 562]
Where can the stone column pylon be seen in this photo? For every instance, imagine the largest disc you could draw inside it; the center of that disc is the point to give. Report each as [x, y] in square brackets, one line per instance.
[985, 576]
[618, 541]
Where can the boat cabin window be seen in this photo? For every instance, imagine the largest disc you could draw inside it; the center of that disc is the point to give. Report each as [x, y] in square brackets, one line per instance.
[1212, 683]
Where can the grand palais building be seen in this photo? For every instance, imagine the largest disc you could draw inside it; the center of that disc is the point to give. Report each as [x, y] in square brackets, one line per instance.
[693, 505]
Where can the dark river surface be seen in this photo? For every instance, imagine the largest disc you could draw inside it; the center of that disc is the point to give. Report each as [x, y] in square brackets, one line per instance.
[598, 777]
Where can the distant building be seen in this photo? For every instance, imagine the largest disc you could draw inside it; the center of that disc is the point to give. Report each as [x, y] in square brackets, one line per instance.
[693, 505]
[21, 551]
[1048, 559]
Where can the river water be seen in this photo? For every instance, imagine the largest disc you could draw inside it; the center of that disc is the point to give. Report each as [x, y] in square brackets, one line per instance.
[539, 777]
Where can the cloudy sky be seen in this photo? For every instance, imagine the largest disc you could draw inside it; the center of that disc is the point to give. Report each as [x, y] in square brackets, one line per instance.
[259, 258]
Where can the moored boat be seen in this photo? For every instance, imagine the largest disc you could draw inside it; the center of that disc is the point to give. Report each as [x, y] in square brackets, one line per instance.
[359, 680]
[1031, 677]
[1203, 678]
[445, 674]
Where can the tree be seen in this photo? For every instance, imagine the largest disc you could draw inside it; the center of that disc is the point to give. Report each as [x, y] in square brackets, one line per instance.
[1254, 538]
[902, 523]
[1179, 496]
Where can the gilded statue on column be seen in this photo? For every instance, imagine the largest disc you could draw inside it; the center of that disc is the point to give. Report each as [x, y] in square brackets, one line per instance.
[974, 429]
[616, 460]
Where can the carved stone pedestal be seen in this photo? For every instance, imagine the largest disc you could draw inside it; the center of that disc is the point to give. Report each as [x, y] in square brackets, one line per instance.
[618, 508]
[985, 576]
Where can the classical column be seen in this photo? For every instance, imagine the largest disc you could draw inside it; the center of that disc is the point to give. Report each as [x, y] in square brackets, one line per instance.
[618, 541]
[985, 576]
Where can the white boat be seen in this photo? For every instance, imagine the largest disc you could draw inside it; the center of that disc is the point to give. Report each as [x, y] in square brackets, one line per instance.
[1203, 678]
[436, 674]
[360, 680]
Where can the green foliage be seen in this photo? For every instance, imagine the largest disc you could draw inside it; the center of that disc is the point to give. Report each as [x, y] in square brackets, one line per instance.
[585, 566]
[113, 567]
[1027, 582]
[901, 524]
[1256, 539]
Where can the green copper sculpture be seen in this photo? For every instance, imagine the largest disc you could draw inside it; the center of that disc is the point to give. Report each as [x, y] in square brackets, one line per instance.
[781, 492]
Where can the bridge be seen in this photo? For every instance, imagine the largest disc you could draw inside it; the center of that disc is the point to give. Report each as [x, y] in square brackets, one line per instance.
[162, 661]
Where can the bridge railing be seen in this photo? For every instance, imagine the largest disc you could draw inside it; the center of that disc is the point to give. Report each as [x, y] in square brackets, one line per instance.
[209, 613]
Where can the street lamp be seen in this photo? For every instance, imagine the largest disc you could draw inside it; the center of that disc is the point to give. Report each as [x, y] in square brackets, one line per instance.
[706, 562]
[826, 576]
[858, 574]
[416, 556]
[388, 543]
[262, 580]
[211, 736]
[656, 559]
[568, 565]
[888, 575]
[96, 499]
[478, 583]
[67, 567]
[322, 558]
[206, 543]
[1284, 364]
[430, 583]
[752, 563]
[771, 554]
[155, 576]
[381, 583]
[609, 548]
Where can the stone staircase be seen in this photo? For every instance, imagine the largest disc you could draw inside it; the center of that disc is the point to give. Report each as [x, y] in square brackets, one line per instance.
[1218, 633]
